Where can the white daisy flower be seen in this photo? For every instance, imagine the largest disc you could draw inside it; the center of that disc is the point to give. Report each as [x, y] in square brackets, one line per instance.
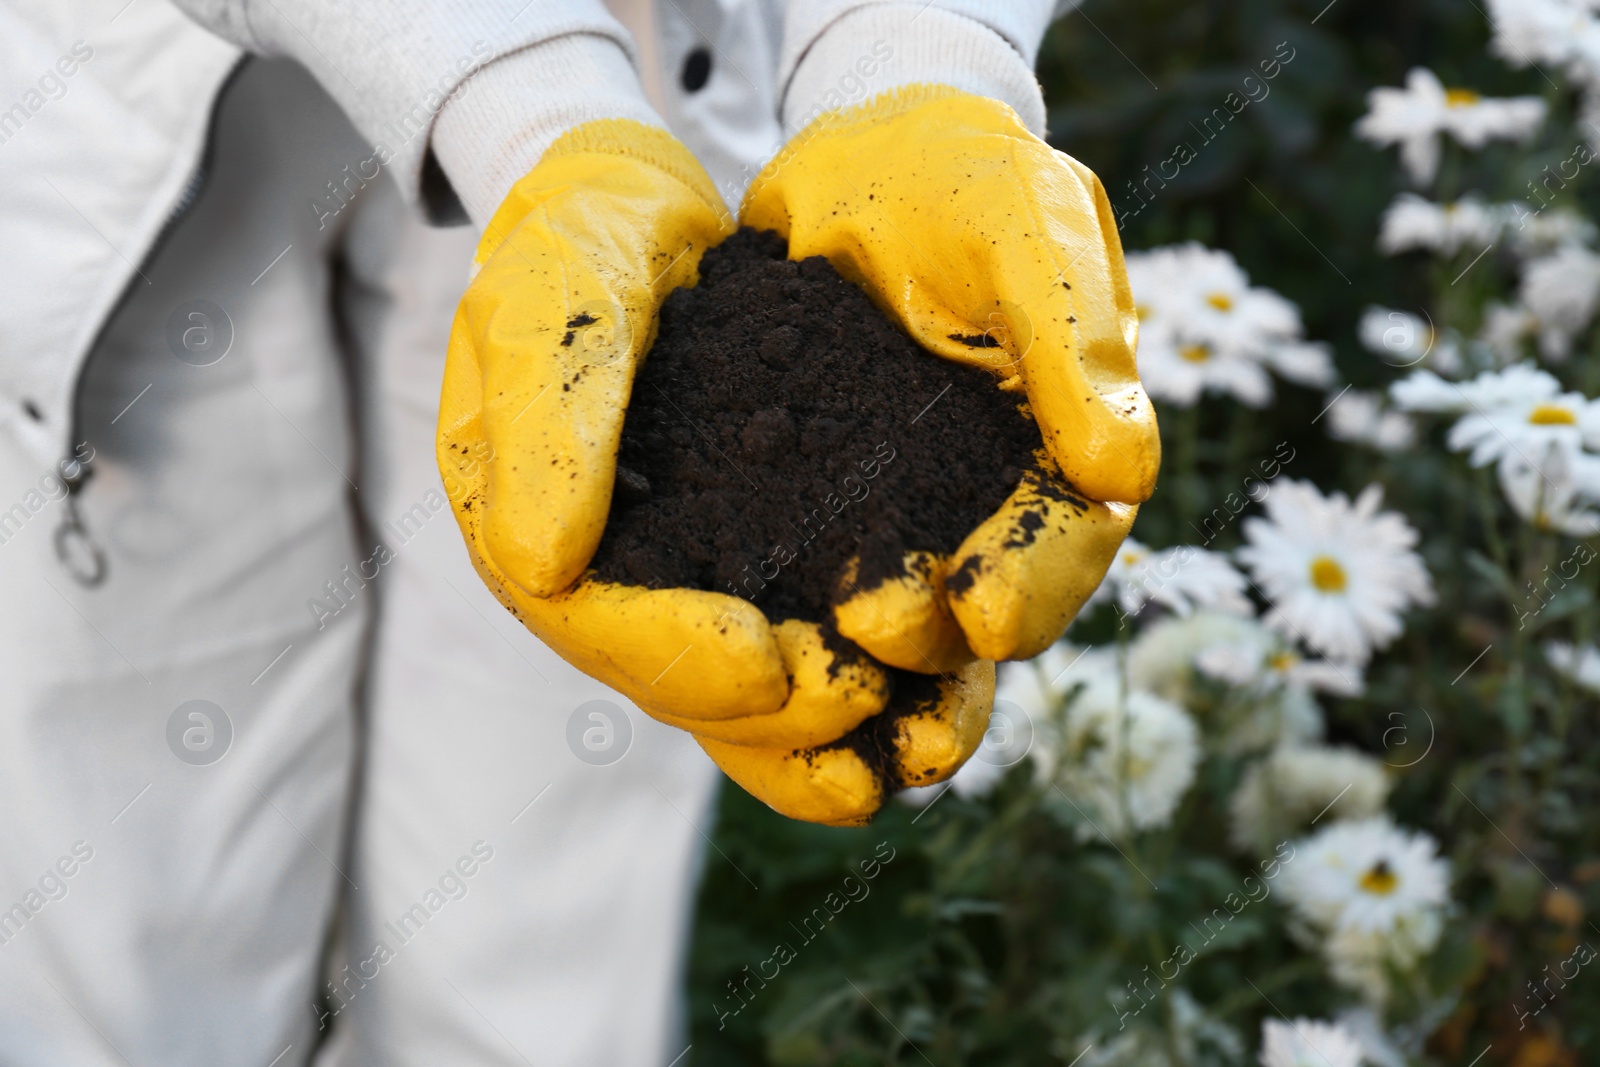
[1337, 573]
[1561, 291]
[1035, 690]
[1518, 384]
[1178, 371]
[1308, 1043]
[1475, 120]
[1559, 491]
[1065, 666]
[1181, 579]
[1308, 363]
[1526, 427]
[1360, 418]
[1370, 878]
[1414, 117]
[1261, 659]
[1581, 665]
[1372, 896]
[1038, 685]
[1368, 1030]
[1403, 340]
[1161, 658]
[1412, 223]
[1124, 758]
[1538, 232]
[1360, 960]
[1178, 363]
[1519, 418]
[1187, 1035]
[1271, 701]
[1505, 328]
[1205, 329]
[1218, 298]
[1561, 32]
[1245, 665]
[1282, 794]
[1425, 391]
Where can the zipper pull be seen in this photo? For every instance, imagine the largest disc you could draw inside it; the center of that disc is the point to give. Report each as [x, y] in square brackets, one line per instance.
[80, 556]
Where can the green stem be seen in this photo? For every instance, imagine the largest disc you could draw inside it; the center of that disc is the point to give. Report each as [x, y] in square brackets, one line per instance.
[1190, 492]
[1123, 632]
[1514, 708]
[1244, 998]
[1141, 887]
[1491, 529]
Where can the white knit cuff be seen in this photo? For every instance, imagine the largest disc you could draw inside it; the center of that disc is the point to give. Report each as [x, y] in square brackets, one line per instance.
[879, 47]
[505, 115]
[1021, 22]
[393, 66]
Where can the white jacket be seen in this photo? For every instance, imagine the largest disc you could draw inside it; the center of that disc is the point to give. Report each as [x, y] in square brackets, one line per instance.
[105, 107]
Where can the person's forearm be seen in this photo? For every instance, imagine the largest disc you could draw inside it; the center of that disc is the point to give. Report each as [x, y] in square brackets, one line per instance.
[484, 85]
[837, 52]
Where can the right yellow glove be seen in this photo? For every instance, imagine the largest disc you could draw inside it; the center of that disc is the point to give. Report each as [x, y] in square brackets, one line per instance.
[993, 250]
[572, 271]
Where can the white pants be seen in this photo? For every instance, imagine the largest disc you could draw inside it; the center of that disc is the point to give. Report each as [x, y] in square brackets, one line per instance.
[380, 837]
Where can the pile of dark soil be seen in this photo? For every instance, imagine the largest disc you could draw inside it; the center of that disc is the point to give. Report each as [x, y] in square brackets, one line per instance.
[782, 425]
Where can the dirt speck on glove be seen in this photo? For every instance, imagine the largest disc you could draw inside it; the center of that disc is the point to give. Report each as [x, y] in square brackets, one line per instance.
[782, 425]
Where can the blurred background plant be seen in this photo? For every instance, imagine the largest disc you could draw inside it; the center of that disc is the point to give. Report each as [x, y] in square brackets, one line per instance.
[1313, 782]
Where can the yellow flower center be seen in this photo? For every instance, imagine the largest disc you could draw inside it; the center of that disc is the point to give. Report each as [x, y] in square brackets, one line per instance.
[1220, 301]
[1131, 558]
[1141, 311]
[1195, 353]
[1551, 415]
[1282, 661]
[1380, 880]
[1327, 575]
[1460, 98]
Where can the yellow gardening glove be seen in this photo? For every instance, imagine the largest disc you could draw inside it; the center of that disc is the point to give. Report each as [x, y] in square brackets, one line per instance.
[994, 250]
[833, 784]
[572, 271]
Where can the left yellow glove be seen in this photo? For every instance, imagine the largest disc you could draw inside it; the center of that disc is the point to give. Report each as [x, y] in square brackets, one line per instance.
[571, 273]
[994, 250]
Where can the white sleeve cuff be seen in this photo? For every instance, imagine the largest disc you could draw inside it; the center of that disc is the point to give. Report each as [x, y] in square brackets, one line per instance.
[395, 67]
[838, 52]
[501, 120]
